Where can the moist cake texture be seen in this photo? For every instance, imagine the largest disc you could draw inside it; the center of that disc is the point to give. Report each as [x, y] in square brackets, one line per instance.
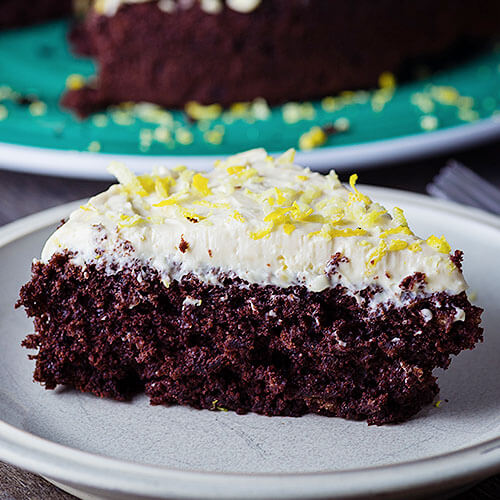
[258, 286]
[215, 51]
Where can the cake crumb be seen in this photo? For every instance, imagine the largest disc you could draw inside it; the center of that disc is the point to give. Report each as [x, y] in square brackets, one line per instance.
[183, 245]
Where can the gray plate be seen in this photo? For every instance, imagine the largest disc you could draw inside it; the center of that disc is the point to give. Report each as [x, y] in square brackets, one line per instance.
[121, 450]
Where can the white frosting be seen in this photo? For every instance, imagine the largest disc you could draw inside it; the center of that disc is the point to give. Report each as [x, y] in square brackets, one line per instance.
[110, 7]
[266, 221]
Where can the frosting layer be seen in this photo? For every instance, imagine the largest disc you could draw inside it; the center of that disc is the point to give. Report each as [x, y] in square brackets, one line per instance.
[110, 7]
[264, 220]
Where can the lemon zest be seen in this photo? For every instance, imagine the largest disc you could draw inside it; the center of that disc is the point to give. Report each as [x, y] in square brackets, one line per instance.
[171, 200]
[126, 178]
[280, 198]
[129, 221]
[200, 183]
[399, 216]
[440, 244]
[286, 158]
[328, 232]
[313, 138]
[377, 254]
[258, 235]
[415, 247]
[198, 111]
[396, 245]
[357, 195]
[235, 170]
[238, 216]
[396, 230]
[188, 214]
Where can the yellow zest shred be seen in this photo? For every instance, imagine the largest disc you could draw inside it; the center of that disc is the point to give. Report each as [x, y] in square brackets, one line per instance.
[357, 195]
[211, 204]
[200, 183]
[396, 230]
[396, 245]
[371, 218]
[147, 182]
[317, 218]
[235, 170]
[415, 247]
[310, 194]
[288, 228]
[377, 254]
[440, 244]
[198, 111]
[126, 178]
[162, 186]
[280, 198]
[277, 214]
[188, 214]
[129, 220]
[75, 82]
[286, 158]
[301, 213]
[258, 235]
[312, 139]
[399, 216]
[328, 232]
[171, 200]
[387, 80]
[238, 216]
[248, 173]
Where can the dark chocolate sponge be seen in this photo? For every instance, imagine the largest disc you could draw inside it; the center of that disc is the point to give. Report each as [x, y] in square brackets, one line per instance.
[265, 349]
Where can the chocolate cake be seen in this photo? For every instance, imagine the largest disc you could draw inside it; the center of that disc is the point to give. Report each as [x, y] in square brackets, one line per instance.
[15, 13]
[170, 52]
[259, 286]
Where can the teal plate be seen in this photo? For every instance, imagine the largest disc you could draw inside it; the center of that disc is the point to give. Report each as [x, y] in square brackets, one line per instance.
[448, 109]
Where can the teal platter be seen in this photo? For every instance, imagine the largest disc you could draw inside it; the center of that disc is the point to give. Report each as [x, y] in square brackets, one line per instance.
[435, 112]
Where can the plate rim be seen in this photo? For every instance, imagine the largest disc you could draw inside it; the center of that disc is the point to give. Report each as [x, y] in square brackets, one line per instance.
[88, 165]
[80, 468]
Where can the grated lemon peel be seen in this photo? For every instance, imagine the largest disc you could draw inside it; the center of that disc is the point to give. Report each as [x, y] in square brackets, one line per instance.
[200, 183]
[126, 178]
[440, 244]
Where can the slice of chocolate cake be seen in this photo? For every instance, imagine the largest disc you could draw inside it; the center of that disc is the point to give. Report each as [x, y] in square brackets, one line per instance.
[259, 286]
[170, 52]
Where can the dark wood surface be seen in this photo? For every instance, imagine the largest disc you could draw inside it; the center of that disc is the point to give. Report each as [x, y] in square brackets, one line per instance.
[23, 194]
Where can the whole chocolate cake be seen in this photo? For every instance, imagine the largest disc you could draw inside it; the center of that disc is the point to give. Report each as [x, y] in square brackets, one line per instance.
[260, 287]
[15, 13]
[170, 52]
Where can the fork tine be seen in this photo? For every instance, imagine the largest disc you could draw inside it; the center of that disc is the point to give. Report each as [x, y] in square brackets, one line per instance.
[458, 183]
[476, 181]
[437, 192]
[451, 190]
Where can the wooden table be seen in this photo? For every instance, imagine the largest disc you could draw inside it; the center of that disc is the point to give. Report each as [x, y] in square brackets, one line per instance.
[23, 194]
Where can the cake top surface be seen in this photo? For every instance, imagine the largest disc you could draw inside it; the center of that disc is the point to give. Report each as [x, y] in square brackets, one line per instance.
[262, 219]
[110, 7]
